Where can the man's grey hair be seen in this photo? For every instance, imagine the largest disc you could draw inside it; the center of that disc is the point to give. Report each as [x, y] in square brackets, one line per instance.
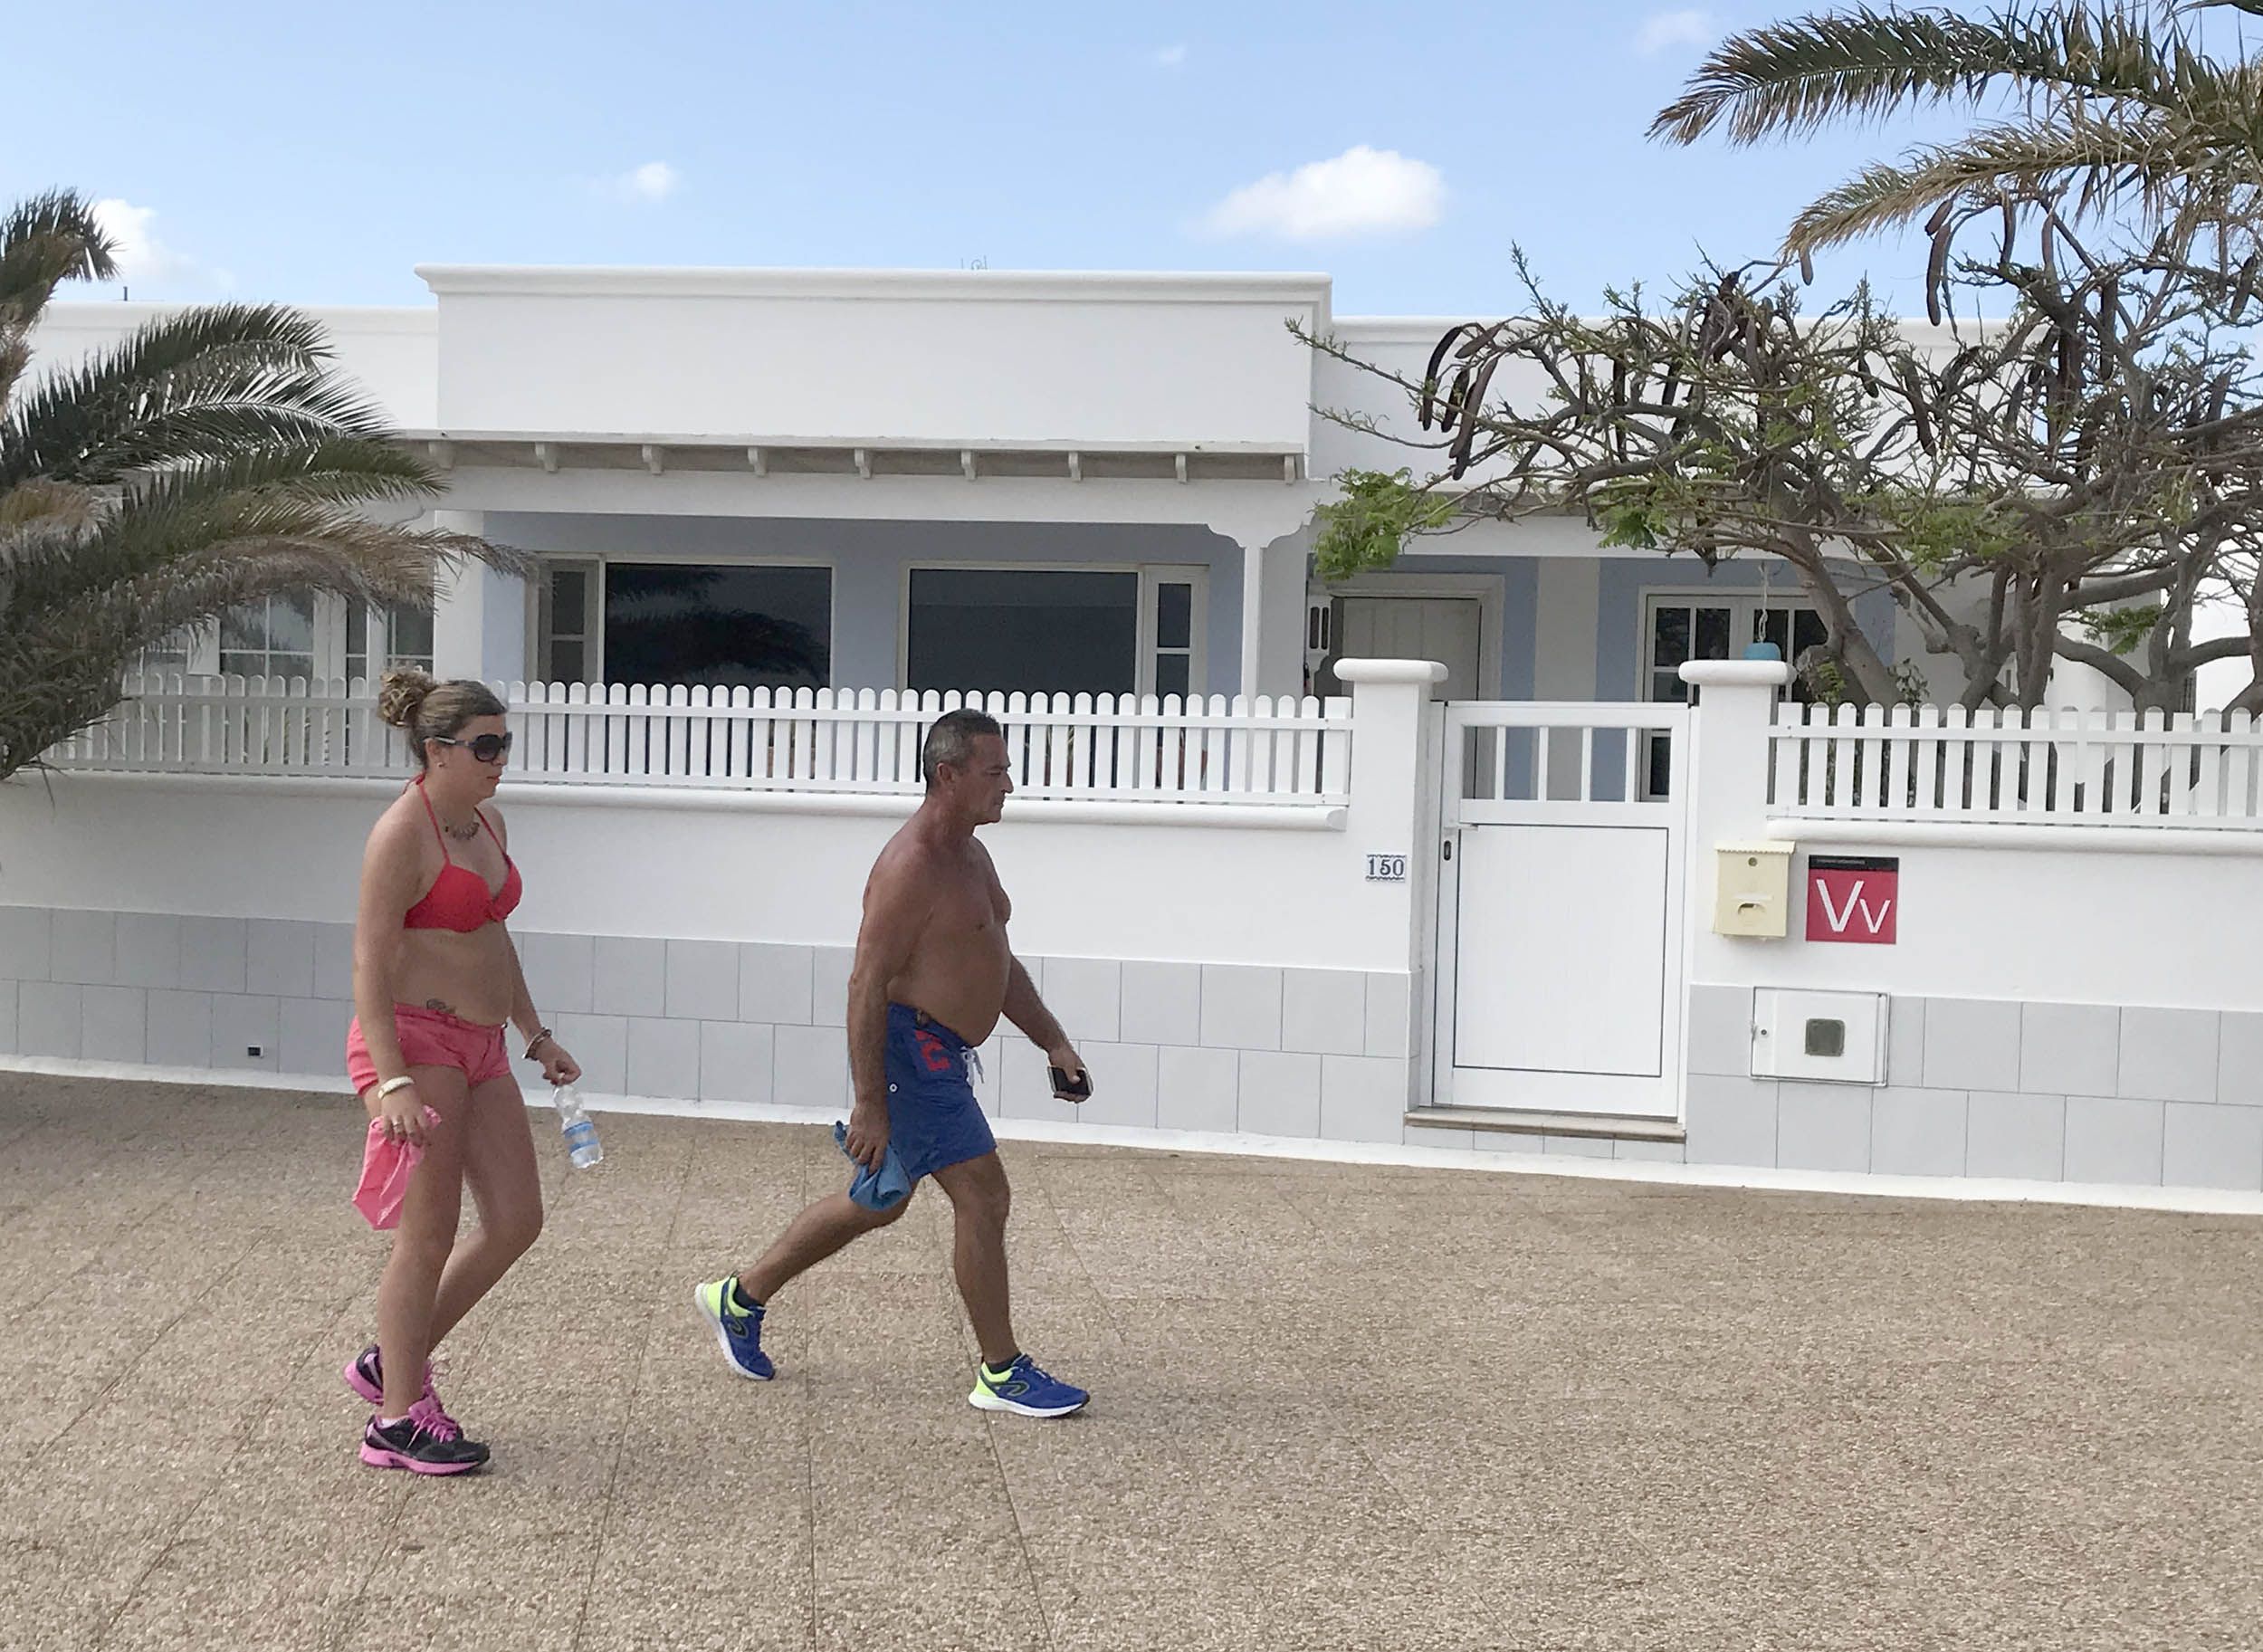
[950, 739]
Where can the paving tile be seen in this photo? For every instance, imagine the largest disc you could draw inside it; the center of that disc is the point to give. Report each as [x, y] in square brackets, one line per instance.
[1334, 1405]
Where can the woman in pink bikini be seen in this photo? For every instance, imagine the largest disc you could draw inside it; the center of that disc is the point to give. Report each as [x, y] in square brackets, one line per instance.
[435, 978]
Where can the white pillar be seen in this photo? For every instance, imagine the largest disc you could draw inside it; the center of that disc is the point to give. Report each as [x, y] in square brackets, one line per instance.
[1253, 617]
[1727, 778]
[479, 626]
[1395, 811]
[1272, 615]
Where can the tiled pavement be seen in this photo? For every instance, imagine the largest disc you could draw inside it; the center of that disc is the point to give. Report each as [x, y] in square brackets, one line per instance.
[1337, 1407]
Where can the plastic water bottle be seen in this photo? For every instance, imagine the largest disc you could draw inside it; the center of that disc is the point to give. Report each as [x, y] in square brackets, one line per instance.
[581, 1135]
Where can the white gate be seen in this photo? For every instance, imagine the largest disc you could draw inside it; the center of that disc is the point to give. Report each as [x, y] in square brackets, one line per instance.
[1560, 908]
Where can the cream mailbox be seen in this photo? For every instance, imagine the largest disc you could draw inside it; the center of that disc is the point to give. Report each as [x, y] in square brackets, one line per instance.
[1751, 890]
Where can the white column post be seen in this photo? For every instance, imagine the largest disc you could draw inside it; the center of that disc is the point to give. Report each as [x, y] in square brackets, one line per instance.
[1252, 616]
[1727, 778]
[1395, 811]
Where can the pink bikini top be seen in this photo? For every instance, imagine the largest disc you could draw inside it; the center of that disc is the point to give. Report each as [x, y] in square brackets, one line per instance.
[458, 898]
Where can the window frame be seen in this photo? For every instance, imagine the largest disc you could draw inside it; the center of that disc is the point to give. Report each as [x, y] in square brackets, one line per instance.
[600, 565]
[1146, 651]
[1744, 606]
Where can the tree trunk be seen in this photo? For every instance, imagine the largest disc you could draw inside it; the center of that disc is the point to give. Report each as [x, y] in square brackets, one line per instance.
[1849, 647]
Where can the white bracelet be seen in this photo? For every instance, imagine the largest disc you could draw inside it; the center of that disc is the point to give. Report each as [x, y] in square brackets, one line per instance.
[391, 1085]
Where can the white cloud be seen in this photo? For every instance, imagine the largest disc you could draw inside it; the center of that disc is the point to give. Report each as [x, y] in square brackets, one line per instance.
[144, 261]
[649, 184]
[1170, 57]
[1360, 192]
[1663, 31]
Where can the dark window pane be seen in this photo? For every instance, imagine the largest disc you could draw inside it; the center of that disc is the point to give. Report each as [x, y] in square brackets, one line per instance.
[1807, 631]
[244, 627]
[569, 600]
[1713, 634]
[1668, 686]
[565, 662]
[725, 627]
[1673, 638]
[1013, 631]
[1174, 615]
[290, 624]
[412, 633]
[1775, 626]
[1660, 763]
[357, 629]
[1170, 673]
[290, 665]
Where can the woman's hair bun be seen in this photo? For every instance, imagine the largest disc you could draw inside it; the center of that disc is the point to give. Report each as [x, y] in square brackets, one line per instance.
[402, 694]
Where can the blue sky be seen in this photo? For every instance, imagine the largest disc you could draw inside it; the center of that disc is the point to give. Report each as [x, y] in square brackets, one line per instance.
[316, 154]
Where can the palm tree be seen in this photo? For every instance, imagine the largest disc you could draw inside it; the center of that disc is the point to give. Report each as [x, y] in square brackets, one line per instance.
[206, 461]
[2107, 105]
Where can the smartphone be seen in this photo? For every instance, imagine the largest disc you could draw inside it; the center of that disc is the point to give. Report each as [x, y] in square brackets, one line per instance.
[1076, 1089]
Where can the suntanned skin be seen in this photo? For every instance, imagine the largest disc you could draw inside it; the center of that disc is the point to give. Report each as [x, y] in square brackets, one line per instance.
[432, 1280]
[933, 938]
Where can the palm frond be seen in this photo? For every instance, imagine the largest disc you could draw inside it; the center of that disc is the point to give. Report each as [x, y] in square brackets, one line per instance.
[2091, 161]
[206, 381]
[1795, 77]
[44, 242]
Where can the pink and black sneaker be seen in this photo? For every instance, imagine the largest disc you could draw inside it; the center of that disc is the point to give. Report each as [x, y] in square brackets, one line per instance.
[365, 1374]
[425, 1442]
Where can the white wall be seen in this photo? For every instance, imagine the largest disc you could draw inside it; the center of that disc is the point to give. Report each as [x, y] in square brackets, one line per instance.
[902, 356]
[393, 354]
[717, 867]
[2126, 924]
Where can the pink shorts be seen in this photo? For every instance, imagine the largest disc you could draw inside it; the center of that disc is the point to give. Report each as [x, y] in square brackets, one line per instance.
[432, 1038]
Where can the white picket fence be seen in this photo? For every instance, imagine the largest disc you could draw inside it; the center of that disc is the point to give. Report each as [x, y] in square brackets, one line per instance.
[1130, 748]
[2044, 767]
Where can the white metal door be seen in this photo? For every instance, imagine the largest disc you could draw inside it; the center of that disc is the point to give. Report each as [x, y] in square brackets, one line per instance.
[1559, 909]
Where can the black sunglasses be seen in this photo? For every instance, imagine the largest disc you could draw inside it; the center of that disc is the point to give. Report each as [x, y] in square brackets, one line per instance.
[487, 747]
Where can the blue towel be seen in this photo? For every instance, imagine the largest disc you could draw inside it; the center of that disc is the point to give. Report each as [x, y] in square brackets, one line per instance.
[881, 1189]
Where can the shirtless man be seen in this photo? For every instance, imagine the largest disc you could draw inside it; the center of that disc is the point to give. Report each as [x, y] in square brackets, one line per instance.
[932, 975]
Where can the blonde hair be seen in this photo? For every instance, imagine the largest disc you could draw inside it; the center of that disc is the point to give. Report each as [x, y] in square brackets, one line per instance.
[409, 699]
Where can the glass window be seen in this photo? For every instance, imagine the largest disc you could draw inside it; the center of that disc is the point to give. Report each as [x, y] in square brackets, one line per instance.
[274, 638]
[565, 654]
[356, 643]
[409, 636]
[1023, 631]
[1174, 615]
[169, 657]
[718, 623]
[1174, 637]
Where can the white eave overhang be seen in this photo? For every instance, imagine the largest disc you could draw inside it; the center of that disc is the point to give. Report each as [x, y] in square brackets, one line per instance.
[864, 458]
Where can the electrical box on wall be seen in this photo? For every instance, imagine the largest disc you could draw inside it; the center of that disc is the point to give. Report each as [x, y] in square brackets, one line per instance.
[1751, 890]
[1831, 1037]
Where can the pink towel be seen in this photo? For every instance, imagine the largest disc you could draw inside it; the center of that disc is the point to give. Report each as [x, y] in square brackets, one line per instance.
[386, 1166]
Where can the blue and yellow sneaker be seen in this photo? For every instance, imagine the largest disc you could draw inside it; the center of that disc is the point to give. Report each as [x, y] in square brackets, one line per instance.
[738, 1330]
[1022, 1388]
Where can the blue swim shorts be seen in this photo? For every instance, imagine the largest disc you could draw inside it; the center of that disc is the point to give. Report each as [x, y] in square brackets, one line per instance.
[933, 1119]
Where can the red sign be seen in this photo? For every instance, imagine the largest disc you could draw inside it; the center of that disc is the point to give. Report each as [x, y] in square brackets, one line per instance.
[1853, 898]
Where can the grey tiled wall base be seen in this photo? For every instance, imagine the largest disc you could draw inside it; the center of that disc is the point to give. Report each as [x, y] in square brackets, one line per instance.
[2099, 1094]
[1220, 1048]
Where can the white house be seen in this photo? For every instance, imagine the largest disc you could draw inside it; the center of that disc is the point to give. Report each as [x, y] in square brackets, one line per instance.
[974, 480]
[1273, 887]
